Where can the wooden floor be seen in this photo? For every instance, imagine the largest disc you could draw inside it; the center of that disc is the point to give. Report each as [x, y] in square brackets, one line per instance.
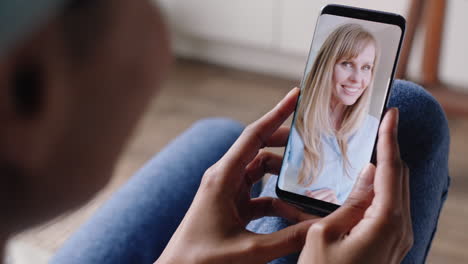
[194, 91]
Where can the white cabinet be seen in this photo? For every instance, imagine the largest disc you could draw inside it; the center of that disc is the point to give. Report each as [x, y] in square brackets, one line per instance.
[281, 25]
[274, 36]
[454, 57]
[242, 22]
[271, 36]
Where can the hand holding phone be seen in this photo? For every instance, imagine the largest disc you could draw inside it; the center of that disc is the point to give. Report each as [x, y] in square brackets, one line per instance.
[374, 225]
[214, 228]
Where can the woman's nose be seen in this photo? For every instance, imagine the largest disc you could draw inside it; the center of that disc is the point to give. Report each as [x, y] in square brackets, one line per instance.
[355, 76]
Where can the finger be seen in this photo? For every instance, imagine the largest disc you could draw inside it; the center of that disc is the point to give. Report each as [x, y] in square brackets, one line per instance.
[309, 194]
[405, 240]
[279, 138]
[320, 192]
[269, 206]
[352, 211]
[328, 197]
[335, 200]
[283, 242]
[264, 162]
[319, 195]
[388, 181]
[388, 137]
[255, 136]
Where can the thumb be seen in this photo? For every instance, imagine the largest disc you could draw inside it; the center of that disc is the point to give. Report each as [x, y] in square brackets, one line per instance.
[361, 195]
[352, 211]
[283, 242]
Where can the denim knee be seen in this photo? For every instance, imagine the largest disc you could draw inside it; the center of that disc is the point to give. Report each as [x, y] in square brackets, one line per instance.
[231, 129]
[423, 127]
[423, 136]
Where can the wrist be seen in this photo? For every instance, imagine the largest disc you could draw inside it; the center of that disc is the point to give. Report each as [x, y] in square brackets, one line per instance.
[184, 256]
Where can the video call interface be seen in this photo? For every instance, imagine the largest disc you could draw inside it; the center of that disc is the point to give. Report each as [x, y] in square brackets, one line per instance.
[342, 98]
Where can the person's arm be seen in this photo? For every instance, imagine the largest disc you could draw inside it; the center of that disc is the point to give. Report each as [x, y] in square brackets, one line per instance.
[213, 230]
[374, 224]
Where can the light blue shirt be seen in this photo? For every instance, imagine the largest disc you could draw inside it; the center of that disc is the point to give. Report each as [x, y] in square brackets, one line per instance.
[332, 176]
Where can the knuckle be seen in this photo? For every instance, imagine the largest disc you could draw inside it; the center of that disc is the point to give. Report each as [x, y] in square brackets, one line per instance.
[357, 203]
[211, 177]
[396, 226]
[405, 243]
[251, 246]
[264, 157]
[409, 237]
[259, 160]
[317, 231]
[247, 132]
[253, 132]
[392, 220]
[262, 154]
[410, 241]
[249, 128]
[295, 237]
[211, 171]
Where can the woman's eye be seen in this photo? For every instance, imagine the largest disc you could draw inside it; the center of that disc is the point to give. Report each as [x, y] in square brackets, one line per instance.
[367, 68]
[347, 64]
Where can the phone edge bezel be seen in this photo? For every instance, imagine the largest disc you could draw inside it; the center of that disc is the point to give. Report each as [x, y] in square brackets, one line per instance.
[316, 206]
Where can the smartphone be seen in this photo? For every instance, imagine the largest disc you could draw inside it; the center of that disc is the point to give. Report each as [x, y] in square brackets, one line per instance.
[344, 93]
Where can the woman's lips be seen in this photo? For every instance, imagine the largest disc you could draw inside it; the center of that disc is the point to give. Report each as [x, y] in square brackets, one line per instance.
[349, 90]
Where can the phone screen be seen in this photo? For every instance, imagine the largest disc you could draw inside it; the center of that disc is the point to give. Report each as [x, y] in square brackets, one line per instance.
[343, 94]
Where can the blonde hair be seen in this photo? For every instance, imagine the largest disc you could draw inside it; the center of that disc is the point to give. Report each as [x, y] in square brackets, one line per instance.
[312, 120]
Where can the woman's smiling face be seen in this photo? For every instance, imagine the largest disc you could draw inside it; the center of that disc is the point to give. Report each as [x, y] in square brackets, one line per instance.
[351, 77]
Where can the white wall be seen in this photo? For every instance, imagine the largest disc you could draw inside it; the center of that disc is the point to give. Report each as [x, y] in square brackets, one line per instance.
[273, 36]
[454, 56]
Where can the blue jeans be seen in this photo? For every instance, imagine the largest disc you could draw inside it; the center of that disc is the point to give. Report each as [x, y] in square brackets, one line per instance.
[135, 225]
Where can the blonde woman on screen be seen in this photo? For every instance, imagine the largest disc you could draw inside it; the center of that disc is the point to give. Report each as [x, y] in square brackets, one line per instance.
[334, 134]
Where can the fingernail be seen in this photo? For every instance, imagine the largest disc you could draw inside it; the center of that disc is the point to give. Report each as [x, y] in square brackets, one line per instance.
[286, 96]
[292, 91]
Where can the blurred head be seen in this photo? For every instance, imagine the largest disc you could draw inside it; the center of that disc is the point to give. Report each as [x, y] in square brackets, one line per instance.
[342, 74]
[72, 90]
